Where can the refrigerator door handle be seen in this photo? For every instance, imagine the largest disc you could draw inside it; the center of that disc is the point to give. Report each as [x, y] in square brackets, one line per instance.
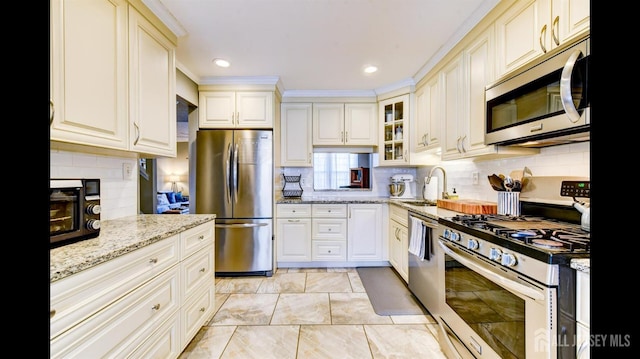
[235, 173]
[241, 225]
[226, 175]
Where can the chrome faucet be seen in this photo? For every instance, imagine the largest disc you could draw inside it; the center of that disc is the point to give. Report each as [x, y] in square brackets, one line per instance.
[445, 194]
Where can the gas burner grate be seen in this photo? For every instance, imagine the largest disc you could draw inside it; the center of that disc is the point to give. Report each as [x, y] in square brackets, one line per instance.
[550, 238]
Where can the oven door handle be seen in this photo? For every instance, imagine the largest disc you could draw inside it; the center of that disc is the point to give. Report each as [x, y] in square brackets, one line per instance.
[495, 277]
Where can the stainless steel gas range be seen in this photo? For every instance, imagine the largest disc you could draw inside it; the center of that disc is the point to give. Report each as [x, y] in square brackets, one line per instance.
[509, 289]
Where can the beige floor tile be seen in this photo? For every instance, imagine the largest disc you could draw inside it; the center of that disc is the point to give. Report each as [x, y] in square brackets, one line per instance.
[246, 309]
[354, 308]
[356, 283]
[307, 270]
[263, 342]
[303, 308]
[402, 341]
[412, 319]
[209, 343]
[238, 285]
[328, 283]
[283, 283]
[333, 341]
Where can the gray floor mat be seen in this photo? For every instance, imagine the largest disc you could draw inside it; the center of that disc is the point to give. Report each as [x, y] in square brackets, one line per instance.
[388, 293]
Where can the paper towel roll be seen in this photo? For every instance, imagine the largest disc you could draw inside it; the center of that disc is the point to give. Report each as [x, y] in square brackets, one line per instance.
[431, 190]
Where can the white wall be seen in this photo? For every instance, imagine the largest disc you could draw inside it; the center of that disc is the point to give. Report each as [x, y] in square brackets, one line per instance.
[119, 196]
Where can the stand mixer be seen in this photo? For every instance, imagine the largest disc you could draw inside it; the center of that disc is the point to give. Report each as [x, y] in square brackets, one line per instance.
[402, 186]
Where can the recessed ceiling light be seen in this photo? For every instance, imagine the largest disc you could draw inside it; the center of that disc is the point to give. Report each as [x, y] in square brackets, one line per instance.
[369, 69]
[221, 62]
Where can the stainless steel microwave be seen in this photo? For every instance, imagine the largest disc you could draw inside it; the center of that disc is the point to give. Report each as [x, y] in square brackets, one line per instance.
[545, 103]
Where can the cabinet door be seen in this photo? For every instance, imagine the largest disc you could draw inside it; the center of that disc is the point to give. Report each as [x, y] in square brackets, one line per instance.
[452, 107]
[328, 124]
[522, 33]
[294, 239]
[394, 115]
[254, 109]
[295, 135]
[217, 109]
[88, 73]
[403, 255]
[152, 88]
[569, 18]
[394, 244]
[427, 123]
[364, 228]
[361, 124]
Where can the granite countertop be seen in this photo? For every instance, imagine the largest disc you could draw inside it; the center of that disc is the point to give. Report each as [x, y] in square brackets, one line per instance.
[117, 237]
[581, 264]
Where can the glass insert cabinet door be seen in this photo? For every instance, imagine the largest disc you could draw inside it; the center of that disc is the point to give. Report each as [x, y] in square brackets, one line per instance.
[395, 113]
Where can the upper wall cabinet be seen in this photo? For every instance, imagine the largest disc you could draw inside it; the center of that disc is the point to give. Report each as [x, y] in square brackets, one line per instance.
[394, 119]
[340, 124]
[231, 109]
[426, 133]
[112, 78]
[530, 28]
[295, 135]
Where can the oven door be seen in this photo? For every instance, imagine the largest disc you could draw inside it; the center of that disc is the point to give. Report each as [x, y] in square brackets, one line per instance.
[494, 312]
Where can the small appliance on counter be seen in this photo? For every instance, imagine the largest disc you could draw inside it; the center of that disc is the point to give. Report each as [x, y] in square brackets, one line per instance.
[74, 210]
[402, 186]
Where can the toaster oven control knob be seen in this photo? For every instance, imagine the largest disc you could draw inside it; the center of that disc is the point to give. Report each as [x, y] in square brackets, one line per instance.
[495, 254]
[472, 244]
[508, 260]
[93, 224]
[93, 209]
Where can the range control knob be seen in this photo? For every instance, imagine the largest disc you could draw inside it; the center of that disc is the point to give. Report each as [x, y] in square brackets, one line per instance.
[508, 260]
[472, 244]
[93, 224]
[495, 254]
[93, 209]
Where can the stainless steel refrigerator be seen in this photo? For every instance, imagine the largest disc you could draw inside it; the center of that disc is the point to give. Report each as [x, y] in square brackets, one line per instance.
[234, 181]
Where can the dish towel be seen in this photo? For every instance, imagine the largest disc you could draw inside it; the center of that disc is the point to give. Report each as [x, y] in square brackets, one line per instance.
[415, 240]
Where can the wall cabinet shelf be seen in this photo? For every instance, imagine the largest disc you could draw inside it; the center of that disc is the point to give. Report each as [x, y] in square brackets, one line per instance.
[394, 118]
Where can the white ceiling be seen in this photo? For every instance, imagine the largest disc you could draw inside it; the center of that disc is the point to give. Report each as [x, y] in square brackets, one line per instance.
[316, 46]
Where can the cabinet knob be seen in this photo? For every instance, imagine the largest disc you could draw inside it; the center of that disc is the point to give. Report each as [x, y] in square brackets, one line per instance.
[52, 312]
[156, 307]
[153, 260]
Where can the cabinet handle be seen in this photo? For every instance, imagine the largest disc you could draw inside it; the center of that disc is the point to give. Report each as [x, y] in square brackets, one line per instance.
[309, 157]
[462, 143]
[53, 111]
[329, 211]
[458, 145]
[554, 27]
[406, 158]
[153, 260]
[293, 220]
[203, 309]
[201, 237]
[346, 136]
[542, 32]
[52, 312]
[341, 136]
[135, 125]
[426, 139]
[202, 269]
[156, 307]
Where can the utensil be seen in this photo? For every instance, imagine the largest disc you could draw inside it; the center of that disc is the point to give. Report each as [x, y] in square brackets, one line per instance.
[496, 182]
[516, 175]
[526, 174]
[517, 186]
[508, 183]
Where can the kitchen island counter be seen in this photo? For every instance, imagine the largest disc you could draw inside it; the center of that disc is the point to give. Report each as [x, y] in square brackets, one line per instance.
[118, 237]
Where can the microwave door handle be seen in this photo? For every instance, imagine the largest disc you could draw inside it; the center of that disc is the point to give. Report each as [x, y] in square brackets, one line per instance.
[517, 287]
[565, 87]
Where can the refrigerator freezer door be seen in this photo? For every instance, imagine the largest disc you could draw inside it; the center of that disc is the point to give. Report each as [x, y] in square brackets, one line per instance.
[214, 163]
[252, 174]
[244, 247]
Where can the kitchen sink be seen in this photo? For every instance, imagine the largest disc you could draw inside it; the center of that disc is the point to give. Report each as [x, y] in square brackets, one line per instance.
[421, 202]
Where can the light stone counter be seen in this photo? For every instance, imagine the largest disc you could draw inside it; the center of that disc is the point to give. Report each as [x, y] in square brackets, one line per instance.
[581, 264]
[117, 237]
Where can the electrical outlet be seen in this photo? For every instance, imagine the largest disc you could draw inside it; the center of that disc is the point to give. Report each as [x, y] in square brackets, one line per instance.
[475, 177]
[301, 181]
[127, 171]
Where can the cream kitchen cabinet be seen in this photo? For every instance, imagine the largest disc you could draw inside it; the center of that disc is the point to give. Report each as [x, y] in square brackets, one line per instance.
[583, 318]
[365, 229]
[293, 238]
[399, 240]
[345, 124]
[138, 303]
[329, 232]
[296, 148]
[236, 109]
[394, 144]
[426, 135]
[112, 77]
[531, 28]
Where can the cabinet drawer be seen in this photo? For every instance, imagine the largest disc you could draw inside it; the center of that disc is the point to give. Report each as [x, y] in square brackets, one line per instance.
[196, 312]
[399, 214]
[164, 342]
[293, 210]
[197, 271]
[329, 250]
[119, 328]
[583, 291]
[81, 295]
[329, 210]
[325, 228]
[195, 238]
